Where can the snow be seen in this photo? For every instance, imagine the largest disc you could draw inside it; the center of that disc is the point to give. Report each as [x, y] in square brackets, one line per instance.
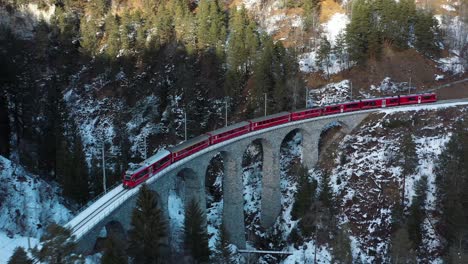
[448, 8]
[331, 29]
[439, 77]
[452, 64]
[177, 216]
[307, 253]
[336, 25]
[331, 93]
[8, 245]
[28, 205]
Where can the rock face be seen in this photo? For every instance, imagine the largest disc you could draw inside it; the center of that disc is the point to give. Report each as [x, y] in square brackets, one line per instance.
[22, 21]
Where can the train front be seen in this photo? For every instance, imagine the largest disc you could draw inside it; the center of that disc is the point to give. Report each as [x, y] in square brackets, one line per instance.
[128, 178]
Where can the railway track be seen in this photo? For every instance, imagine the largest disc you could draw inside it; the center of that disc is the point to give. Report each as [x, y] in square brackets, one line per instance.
[91, 215]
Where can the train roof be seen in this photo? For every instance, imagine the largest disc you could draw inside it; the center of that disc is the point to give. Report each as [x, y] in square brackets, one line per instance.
[306, 109]
[159, 155]
[228, 128]
[259, 119]
[189, 143]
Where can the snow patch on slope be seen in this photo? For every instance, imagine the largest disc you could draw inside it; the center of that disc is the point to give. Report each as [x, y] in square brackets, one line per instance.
[27, 205]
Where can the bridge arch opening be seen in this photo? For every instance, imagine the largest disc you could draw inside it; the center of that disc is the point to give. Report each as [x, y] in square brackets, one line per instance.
[329, 134]
[253, 173]
[291, 156]
[111, 230]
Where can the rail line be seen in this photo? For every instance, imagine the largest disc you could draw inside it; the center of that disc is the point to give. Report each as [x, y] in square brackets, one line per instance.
[81, 226]
[98, 210]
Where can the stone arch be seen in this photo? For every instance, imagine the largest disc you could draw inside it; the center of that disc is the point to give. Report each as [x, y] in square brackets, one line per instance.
[269, 192]
[252, 186]
[224, 185]
[112, 228]
[330, 132]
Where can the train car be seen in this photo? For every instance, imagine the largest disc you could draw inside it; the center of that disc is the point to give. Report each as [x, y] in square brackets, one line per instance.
[269, 121]
[351, 106]
[428, 98]
[373, 103]
[391, 101]
[189, 147]
[229, 132]
[332, 109]
[306, 113]
[139, 173]
[410, 99]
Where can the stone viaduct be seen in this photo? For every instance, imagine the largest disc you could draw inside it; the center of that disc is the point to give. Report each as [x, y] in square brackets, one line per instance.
[187, 177]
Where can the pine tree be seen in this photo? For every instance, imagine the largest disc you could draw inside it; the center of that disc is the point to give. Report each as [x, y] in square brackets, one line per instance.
[74, 172]
[114, 252]
[408, 154]
[195, 233]
[148, 229]
[426, 29]
[113, 36]
[89, 39]
[305, 192]
[401, 249]
[203, 24]
[417, 212]
[323, 56]
[357, 31]
[342, 247]
[452, 182]
[224, 252]
[326, 194]
[19, 257]
[58, 246]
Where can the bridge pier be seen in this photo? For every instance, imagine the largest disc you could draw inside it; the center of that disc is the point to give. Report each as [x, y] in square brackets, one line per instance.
[271, 193]
[310, 149]
[233, 202]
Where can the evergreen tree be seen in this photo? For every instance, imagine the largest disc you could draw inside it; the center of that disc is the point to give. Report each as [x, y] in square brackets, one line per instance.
[196, 237]
[75, 171]
[224, 252]
[417, 212]
[89, 40]
[114, 252]
[326, 194]
[203, 24]
[148, 229]
[57, 246]
[19, 257]
[401, 248]
[408, 154]
[342, 247]
[452, 183]
[113, 36]
[305, 192]
[426, 29]
[323, 56]
[357, 31]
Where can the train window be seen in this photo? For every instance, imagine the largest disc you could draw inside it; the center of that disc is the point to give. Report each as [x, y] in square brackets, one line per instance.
[392, 101]
[352, 105]
[334, 108]
[412, 99]
[427, 97]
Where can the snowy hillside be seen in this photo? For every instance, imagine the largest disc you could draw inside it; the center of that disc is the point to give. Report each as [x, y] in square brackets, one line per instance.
[28, 205]
[366, 177]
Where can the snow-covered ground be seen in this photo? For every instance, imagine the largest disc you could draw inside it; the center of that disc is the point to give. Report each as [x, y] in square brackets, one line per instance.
[331, 30]
[27, 205]
[368, 175]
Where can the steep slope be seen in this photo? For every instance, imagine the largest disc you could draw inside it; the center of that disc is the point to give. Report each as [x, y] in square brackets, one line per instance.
[27, 205]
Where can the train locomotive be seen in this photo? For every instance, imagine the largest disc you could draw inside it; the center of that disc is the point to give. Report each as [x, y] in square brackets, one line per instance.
[139, 173]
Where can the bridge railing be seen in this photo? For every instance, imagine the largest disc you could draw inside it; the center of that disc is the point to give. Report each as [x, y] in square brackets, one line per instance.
[104, 214]
[90, 202]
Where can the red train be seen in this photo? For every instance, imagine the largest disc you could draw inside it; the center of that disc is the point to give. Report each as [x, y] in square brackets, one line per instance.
[139, 173]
